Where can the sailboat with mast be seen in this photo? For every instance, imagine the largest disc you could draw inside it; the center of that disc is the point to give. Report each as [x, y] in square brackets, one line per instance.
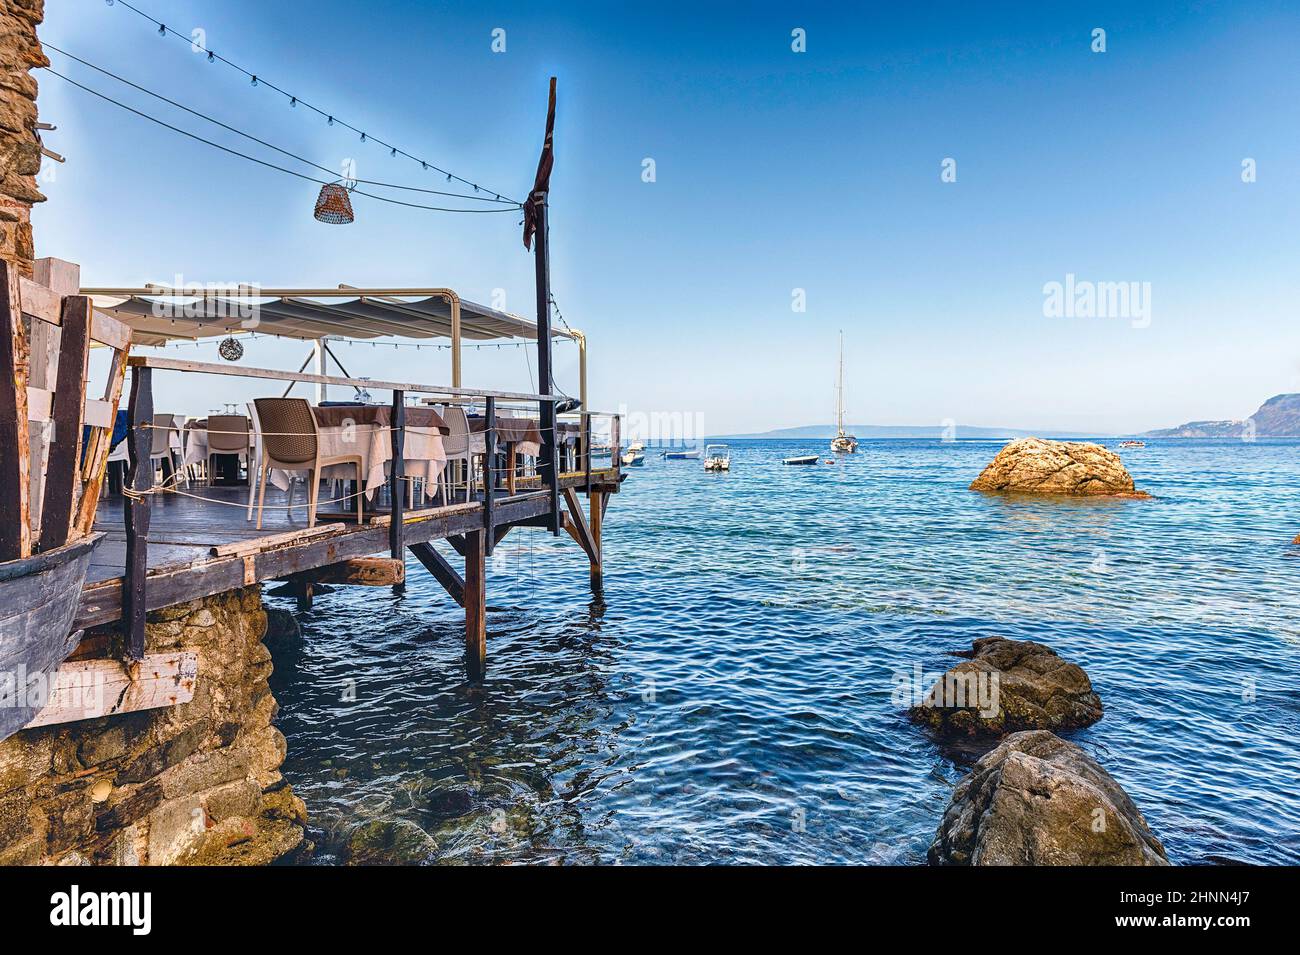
[842, 443]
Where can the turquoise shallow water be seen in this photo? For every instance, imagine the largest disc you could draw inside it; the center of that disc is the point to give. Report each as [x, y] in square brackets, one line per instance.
[733, 699]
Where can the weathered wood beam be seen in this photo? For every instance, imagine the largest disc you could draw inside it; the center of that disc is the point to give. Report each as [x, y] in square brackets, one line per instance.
[397, 486]
[270, 541]
[89, 689]
[489, 472]
[359, 571]
[15, 488]
[96, 462]
[441, 569]
[63, 470]
[576, 525]
[475, 604]
[596, 503]
[139, 477]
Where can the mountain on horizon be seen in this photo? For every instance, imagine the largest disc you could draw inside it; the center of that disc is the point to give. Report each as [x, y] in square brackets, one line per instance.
[936, 432]
[1279, 417]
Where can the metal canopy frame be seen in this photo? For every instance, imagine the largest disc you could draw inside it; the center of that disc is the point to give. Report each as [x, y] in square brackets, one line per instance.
[372, 313]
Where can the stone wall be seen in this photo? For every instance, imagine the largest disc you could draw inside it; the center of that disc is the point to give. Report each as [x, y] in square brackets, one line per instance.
[198, 782]
[20, 147]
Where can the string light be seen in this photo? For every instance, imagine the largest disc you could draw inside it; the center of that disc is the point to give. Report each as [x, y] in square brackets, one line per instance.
[261, 142]
[164, 30]
[263, 162]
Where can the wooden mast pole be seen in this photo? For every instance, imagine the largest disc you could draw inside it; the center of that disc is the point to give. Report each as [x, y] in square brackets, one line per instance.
[535, 228]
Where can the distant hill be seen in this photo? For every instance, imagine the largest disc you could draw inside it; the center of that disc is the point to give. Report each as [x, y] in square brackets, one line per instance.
[819, 431]
[1279, 417]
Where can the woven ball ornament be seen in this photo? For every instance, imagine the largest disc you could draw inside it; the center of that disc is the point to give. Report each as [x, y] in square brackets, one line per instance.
[230, 349]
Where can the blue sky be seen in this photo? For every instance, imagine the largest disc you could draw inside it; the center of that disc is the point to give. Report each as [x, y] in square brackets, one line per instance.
[775, 171]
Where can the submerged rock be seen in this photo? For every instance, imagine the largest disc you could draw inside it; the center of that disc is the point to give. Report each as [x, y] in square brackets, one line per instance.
[282, 627]
[450, 803]
[1038, 800]
[1036, 466]
[1006, 686]
[390, 842]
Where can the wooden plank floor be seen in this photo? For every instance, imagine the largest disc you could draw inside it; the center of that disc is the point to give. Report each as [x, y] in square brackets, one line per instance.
[184, 530]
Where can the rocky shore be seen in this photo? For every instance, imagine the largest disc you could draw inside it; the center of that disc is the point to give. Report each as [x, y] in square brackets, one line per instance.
[196, 783]
[1034, 799]
[1039, 800]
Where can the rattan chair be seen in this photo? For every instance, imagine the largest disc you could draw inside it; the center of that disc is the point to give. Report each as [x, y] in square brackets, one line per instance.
[290, 442]
[228, 434]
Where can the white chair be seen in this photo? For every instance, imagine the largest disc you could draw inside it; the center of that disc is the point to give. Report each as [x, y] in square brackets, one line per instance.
[456, 445]
[290, 442]
[160, 452]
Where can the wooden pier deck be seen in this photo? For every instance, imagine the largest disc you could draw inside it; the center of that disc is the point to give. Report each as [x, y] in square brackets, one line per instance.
[199, 548]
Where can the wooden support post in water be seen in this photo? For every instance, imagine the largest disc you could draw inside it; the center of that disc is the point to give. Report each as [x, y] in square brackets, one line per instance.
[596, 504]
[489, 471]
[475, 604]
[396, 486]
[15, 529]
[139, 478]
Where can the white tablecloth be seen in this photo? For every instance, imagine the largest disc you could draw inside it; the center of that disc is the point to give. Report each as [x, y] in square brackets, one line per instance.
[423, 455]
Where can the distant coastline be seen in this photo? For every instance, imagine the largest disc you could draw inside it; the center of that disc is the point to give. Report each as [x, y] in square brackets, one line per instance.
[937, 432]
[1278, 417]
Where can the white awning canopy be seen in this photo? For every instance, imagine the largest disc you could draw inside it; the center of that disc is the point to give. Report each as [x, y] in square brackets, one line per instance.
[158, 316]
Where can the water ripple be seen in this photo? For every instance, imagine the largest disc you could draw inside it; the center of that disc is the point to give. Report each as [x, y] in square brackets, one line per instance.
[733, 697]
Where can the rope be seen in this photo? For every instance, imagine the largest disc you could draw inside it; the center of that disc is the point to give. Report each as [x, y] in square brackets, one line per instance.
[165, 489]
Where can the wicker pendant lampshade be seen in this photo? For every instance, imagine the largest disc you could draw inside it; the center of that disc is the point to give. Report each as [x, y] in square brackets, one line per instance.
[333, 205]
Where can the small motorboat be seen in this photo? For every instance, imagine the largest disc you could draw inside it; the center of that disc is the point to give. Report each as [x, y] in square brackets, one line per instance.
[636, 446]
[717, 457]
[633, 459]
[681, 455]
[1132, 444]
[801, 459]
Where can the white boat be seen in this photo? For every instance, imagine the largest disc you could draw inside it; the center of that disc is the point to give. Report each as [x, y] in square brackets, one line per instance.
[717, 457]
[801, 459]
[842, 443]
[633, 459]
[636, 446]
[681, 455]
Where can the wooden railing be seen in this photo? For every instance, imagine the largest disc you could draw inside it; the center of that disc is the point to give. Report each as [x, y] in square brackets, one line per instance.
[140, 469]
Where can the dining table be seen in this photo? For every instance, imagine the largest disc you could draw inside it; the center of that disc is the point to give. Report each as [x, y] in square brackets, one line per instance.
[515, 436]
[366, 431]
[197, 451]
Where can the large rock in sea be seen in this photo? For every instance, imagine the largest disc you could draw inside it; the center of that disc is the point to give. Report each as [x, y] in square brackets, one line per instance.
[1036, 466]
[1006, 686]
[1038, 800]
